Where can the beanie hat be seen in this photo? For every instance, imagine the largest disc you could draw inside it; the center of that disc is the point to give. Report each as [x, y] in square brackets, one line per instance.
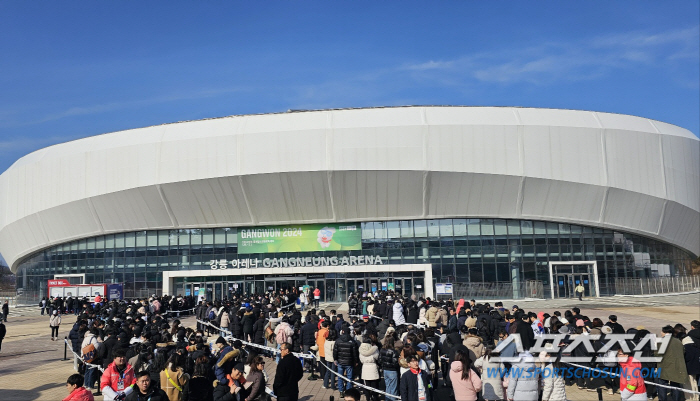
[220, 340]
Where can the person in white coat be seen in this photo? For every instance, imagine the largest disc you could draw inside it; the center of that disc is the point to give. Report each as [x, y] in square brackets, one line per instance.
[491, 376]
[398, 313]
[554, 384]
[369, 355]
[524, 383]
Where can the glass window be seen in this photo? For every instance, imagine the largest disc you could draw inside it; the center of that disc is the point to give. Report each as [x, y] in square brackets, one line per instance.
[152, 238]
[91, 243]
[119, 240]
[164, 238]
[526, 227]
[433, 228]
[473, 227]
[82, 244]
[486, 227]
[540, 228]
[220, 235]
[232, 236]
[140, 238]
[195, 236]
[129, 240]
[406, 229]
[446, 228]
[552, 228]
[575, 229]
[99, 242]
[460, 227]
[499, 227]
[420, 228]
[380, 230]
[393, 229]
[368, 230]
[207, 236]
[183, 237]
[513, 227]
[564, 229]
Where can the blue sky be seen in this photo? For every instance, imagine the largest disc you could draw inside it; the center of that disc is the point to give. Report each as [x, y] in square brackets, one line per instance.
[70, 69]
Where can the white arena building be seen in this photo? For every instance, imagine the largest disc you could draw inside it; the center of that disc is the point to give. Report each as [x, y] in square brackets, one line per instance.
[516, 201]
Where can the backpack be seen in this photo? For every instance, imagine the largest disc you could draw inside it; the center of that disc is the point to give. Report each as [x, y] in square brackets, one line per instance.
[211, 315]
[89, 352]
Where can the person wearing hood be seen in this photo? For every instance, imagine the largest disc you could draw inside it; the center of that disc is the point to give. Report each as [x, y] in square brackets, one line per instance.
[632, 386]
[524, 384]
[474, 344]
[226, 358]
[465, 381]
[247, 322]
[76, 391]
[369, 355]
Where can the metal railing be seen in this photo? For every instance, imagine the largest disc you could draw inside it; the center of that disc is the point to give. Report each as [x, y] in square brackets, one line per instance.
[656, 285]
[498, 290]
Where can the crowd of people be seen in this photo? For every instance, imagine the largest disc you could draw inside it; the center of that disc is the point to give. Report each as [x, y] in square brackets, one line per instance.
[386, 347]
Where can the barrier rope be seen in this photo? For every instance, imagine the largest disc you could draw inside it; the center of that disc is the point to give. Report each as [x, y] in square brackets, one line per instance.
[299, 355]
[360, 384]
[270, 349]
[612, 374]
[80, 358]
[421, 325]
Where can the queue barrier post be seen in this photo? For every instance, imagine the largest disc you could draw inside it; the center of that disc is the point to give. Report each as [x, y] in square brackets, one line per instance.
[65, 348]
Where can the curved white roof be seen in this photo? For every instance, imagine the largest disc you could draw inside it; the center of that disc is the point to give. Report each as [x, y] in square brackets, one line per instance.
[599, 169]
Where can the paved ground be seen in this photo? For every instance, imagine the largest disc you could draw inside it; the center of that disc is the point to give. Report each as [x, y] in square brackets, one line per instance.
[32, 366]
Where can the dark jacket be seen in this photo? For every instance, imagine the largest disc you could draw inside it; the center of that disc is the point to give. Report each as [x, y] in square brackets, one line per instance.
[257, 387]
[692, 358]
[154, 394]
[382, 328]
[526, 335]
[308, 334]
[198, 389]
[289, 372]
[76, 338]
[259, 331]
[223, 393]
[616, 327]
[345, 351]
[413, 312]
[409, 386]
[389, 359]
[247, 322]
[235, 326]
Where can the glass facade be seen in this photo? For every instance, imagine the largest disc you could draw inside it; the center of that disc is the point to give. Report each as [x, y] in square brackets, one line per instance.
[460, 250]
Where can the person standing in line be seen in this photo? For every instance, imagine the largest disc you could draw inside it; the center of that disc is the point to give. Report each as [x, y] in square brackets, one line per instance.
[54, 322]
[5, 310]
[317, 297]
[289, 372]
[3, 331]
[42, 305]
[415, 382]
[579, 291]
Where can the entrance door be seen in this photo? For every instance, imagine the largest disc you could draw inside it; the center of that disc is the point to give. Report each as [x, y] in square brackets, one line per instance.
[356, 286]
[563, 286]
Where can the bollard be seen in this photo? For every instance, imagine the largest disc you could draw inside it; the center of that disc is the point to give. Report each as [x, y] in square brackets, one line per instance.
[600, 394]
[312, 376]
[65, 348]
[332, 398]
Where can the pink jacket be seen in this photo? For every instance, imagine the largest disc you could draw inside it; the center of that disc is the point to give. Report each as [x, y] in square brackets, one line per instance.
[80, 394]
[465, 390]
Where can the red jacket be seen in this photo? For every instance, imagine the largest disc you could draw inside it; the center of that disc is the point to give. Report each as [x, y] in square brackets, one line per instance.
[631, 377]
[80, 394]
[112, 378]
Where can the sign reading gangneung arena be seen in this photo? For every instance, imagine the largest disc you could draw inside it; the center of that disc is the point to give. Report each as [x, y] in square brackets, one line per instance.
[300, 238]
[296, 262]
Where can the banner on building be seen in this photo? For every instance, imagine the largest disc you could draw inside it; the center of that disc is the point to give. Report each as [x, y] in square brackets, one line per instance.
[301, 238]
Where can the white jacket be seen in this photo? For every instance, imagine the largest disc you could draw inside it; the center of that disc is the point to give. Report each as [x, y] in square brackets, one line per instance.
[398, 313]
[491, 378]
[554, 384]
[524, 383]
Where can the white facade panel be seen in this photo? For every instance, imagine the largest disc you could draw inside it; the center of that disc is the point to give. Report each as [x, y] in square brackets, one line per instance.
[601, 169]
[487, 149]
[455, 194]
